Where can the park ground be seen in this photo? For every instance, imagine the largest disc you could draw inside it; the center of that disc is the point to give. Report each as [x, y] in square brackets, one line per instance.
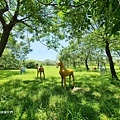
[24, 97]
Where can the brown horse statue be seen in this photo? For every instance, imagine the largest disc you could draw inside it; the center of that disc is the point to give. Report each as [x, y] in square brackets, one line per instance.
[64, 73]
[40, 70]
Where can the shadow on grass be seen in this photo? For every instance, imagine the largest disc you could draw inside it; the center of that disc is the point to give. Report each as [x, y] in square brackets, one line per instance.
[80, 69]
[47, 100]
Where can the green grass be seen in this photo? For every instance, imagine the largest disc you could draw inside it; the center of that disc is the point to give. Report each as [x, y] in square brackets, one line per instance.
[33, 99]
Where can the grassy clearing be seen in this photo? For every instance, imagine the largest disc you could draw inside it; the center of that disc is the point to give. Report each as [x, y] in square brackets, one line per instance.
[32, 99]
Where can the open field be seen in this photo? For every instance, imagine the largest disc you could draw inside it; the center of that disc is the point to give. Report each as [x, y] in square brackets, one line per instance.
[24, 97]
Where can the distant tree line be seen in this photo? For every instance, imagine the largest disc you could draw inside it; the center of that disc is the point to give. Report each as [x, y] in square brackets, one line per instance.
[8, 61]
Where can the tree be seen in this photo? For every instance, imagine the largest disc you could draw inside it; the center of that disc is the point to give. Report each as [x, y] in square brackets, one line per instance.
[8, 60]
[30, 63]
[20, 16]
[107, 15]
[19, 48]
[94, 15]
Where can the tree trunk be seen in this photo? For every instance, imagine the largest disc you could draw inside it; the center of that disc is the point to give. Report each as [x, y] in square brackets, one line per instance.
[4, 39]
[98, 62]
[86, 65]
[113, 73]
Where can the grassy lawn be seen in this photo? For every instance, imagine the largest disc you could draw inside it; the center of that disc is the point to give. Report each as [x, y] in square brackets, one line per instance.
[24, 97]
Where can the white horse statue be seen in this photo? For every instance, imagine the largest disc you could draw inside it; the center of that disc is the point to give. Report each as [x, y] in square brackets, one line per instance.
[102, 69]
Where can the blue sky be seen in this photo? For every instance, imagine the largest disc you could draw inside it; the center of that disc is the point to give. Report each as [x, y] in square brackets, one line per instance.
[41, 52]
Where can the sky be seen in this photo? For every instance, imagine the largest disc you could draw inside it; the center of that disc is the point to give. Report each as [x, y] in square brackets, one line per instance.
[41, 52]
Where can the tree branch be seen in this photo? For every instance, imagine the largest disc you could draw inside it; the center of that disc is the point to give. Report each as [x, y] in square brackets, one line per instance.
[2, 20]
[20, 21]
[14, 18]
[2, 11]
[6, 8]
[24, 18]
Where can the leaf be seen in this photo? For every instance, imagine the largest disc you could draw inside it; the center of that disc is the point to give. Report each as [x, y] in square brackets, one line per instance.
[60, 14]
[115, 28]
[76, 1]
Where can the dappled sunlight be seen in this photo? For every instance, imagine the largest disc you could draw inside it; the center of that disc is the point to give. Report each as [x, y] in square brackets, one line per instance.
[15, 74]
[46, 99]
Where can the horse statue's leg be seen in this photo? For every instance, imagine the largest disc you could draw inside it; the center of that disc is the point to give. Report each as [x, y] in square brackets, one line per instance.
[73, 80]
[44, 75]
[40, 74]
[61, 81]
[69, 80]
[37, 73]
[65, 82]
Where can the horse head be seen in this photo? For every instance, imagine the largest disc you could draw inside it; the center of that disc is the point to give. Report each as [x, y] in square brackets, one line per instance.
[37, 65]
[59, 63]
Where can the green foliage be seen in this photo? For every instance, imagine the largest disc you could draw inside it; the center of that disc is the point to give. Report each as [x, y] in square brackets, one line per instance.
[116, 28]
[61, 14]
[30, 64]
[19, 49]
[30, 98]
[8, 61]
